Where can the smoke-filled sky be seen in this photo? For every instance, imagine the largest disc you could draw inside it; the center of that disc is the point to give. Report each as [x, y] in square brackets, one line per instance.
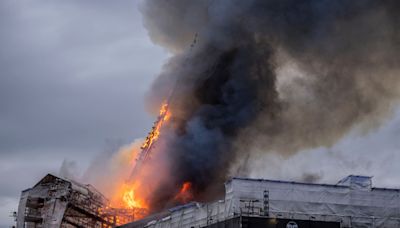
[269, 77]
[74, 75]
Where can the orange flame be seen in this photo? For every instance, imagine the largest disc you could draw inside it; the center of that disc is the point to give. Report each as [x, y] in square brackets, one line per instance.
[130, 198]
[127, 197]
[164, 115]
[133, 194]
[185, 193]
[130, 201]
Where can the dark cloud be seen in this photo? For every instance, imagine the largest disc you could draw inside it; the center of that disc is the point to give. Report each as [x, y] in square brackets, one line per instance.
[72, 75]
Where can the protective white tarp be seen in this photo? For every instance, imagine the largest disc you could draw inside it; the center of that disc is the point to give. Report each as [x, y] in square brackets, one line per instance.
[352, 202]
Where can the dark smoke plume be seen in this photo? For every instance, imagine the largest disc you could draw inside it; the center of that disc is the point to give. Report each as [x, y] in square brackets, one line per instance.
[268, 76]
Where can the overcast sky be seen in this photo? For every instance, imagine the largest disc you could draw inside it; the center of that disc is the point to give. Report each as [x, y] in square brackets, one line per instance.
[73, 75]
[72, 79]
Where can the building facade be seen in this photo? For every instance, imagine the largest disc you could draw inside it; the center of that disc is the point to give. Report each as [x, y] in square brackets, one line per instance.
[352, 202]
[57, 202]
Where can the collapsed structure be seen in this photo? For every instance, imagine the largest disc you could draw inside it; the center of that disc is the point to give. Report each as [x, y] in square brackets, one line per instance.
[352, 202]
[58, 202]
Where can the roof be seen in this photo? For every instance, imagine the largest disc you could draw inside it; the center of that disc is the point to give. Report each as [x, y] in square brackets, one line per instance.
[338, 185]
[285, 182]
[48, 178]
[74, 184]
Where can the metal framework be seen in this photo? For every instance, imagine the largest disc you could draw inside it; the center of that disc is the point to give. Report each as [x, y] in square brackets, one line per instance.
[57, 202]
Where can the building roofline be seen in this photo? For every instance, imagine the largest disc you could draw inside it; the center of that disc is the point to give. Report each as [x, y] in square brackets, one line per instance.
[49, 175]
[26, 190]
[286, 182]
[310, 184]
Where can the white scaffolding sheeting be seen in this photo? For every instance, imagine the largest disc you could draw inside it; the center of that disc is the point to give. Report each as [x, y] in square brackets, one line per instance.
[352, 202]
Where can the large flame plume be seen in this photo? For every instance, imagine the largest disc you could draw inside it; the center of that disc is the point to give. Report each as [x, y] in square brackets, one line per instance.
[136, 192]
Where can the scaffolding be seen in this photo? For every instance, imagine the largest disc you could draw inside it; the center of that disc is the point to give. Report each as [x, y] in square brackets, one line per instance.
[57, 202]
[351, 203]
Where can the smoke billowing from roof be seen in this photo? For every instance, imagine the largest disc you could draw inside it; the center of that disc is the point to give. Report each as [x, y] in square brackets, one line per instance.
[268, 76]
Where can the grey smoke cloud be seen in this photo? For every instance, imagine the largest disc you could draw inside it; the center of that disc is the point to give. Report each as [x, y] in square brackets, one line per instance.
[270, 77]
[375, 154]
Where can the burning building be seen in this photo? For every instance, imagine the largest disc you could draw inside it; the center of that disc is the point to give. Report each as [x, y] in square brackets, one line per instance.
[266, 76]
[58, 202]
[352, 202]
